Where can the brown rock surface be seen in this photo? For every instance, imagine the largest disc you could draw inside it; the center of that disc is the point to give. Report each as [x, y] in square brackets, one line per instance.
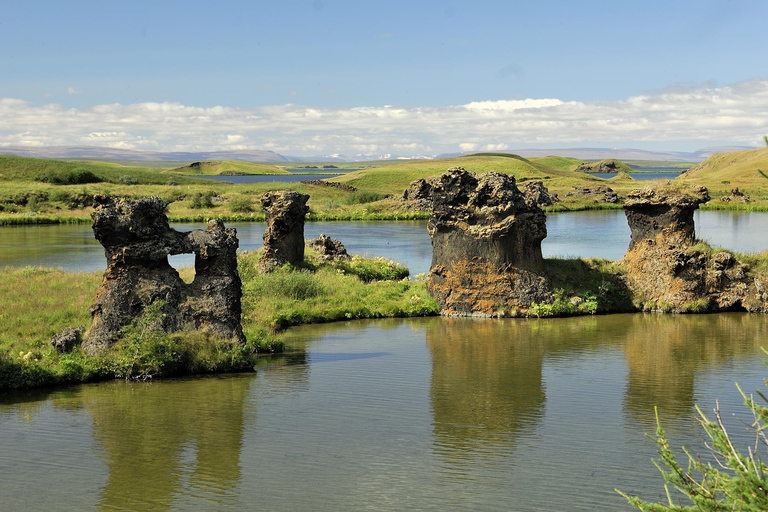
[137, 241]
[665, 268]
[329, 248]
[284, 236]
[486, 245]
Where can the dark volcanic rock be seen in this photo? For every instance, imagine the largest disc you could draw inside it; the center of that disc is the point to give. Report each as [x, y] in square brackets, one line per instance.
[284, 236]
[486, 244]
[329, 248]
[736, 195]
[418, 194]
[331, 184]
[669, 211]
[65, 340]
[604, 166]
[137, 241]
[539, 193]
[665, 268]
[600, 194]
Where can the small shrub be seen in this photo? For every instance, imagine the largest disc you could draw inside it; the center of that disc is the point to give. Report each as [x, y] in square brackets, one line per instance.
[80, 176]
[201, 200]
[128, 180]
[241, 204]
[376, 269]
[363, 197]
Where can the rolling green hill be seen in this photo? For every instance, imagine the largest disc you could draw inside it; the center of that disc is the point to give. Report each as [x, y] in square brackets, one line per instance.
[394, 179]
[609, 165]
[228, 168]
[742, 168]
[26, 169]
[563, 163]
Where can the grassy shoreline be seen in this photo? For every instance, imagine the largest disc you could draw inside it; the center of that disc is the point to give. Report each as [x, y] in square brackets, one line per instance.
[313, 216]
[39, 302]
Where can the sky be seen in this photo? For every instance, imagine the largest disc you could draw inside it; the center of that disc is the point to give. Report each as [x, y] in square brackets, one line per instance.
[416, 77]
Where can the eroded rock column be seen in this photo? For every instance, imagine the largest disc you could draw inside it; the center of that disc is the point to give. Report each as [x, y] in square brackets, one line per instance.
[284, 236]
[137, 241]
[486, 245]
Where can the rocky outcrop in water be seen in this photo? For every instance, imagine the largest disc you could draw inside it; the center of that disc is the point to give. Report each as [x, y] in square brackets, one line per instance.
[668, 271]
[286, 212]
[486, 245]
[137, 241]
[603, 166]
[329, 248]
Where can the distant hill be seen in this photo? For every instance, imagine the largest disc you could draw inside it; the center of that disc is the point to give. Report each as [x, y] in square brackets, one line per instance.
[112, 154]
[104, 154]
[741, 168]
[228, 168]
[610, 165]
[618, 153]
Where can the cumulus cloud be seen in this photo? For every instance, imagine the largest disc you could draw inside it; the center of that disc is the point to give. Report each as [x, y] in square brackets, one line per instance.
[71, 90]
[736, 113]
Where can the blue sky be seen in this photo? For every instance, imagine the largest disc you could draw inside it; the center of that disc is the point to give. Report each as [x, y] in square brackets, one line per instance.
[319, 77]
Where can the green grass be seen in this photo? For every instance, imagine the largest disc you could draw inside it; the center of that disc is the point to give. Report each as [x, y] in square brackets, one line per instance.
[594, 166]
[228, 168]
[24, 199]
[562, 163]
[36, 303]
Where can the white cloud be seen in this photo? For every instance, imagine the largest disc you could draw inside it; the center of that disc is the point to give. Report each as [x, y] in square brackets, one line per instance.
[71, 90]
[736, 113]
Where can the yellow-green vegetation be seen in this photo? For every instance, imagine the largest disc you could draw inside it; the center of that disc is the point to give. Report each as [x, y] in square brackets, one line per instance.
[36, 303]
[228, 168]
[724, 172]
[393, 179]
[563, 163]
[607, 165]
[584, 286]
[44, 191]
[725, 478]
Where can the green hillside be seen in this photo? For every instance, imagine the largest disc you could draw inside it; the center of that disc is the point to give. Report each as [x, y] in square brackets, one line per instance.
[228, 168]
[394, 179]
[609, 165]
[563, 163]
[742, 168]
[25, 169]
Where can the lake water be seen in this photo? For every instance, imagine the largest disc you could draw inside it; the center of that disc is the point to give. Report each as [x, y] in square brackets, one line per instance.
[417, 414]
[268, 178]
[420, 414]
[600, 234]
[642, 176]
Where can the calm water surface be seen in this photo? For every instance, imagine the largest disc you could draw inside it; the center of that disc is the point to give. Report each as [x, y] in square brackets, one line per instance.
[267, 178]
[601, 234]
[423, 414]
[643, 176]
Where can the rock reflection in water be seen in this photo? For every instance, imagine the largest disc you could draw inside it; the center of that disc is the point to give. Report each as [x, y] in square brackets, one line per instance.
[486, 384]
[666, 352]
[170, 439]
[422, 414]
